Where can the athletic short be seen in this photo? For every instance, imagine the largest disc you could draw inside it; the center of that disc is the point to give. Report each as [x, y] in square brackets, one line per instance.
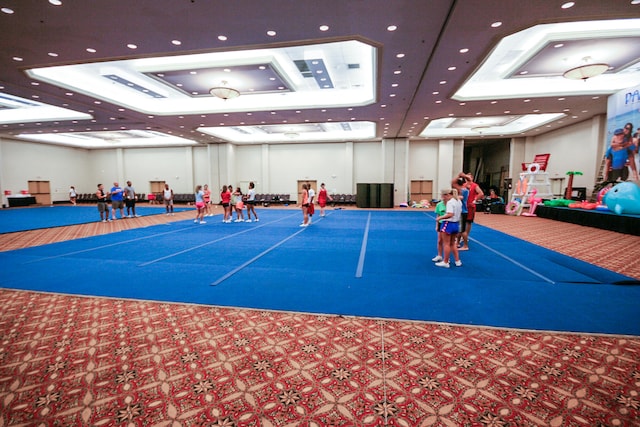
[450, 227]
[471, 214]
[439, 229]
[463, 222]
[250, 202]
[200, 205]
[117, 204]
[130, 203]
[614, 174]
[168, 202]
[102, 207]
[225, 205]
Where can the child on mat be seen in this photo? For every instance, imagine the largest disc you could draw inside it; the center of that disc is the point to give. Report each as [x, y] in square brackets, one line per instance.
[440, 210]
[450, 228]
[199, 194]
[238, 205]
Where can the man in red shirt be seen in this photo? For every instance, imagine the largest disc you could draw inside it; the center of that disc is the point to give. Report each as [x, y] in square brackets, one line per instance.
[475, 193]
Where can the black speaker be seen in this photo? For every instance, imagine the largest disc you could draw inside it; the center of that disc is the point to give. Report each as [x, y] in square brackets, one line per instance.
[374, 195]
[386, 196]
[362, 195]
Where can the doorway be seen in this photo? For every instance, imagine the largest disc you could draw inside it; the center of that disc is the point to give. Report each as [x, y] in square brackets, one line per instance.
[41, 190]
[312, 183]
[421, 190]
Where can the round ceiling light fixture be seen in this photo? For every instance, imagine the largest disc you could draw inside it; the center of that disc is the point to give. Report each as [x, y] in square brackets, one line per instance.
[224, 92]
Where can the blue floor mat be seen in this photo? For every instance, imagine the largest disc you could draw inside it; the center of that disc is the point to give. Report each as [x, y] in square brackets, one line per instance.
[364, 263]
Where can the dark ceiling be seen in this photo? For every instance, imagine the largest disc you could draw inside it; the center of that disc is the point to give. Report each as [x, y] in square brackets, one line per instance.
[430, 34]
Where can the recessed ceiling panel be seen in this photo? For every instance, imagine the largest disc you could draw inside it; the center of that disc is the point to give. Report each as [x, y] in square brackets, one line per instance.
[544, 52]
[247, 79]
[180, 84]
[558, 56]
[501, 126]
[14, 109]
[108, 139]
[297, 132]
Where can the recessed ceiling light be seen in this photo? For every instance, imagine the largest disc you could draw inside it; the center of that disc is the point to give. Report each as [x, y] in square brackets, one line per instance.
[271, 33]
[568, 4]
[400, 55]
[176, 42]
[53, 54]
[91, 50]
[558, 45]
[394, 85]
[7, 10]
[496, 24]
[435, 93]
[324, 28]
[451, 68]
[222, 38]
[464, 50]
[635, 1]
[55, 2]
[17, 58]
[132, 46]
[397, 72]
[392, 27]
[443, 82]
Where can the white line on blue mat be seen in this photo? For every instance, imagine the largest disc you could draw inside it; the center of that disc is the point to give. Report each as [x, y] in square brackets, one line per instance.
[363, 248]
[524, 267]
[118, 243]
[255, 258]
[246, 230]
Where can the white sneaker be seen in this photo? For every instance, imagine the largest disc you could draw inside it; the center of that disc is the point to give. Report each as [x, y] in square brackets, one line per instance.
[256, 220]
[203, 222]
[171, 214]
[304, 225]
[436, 258]
[248, 220]
[442, 264]
[195, 221]
[458, 263]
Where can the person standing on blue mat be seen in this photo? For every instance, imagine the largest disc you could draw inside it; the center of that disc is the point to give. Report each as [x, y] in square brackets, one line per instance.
[459, 183]
[117, 201]
[251, 202]
[439, 210]
[199, 194]
[130, 200]
[450, 228]
[103, 207]
[167, 195]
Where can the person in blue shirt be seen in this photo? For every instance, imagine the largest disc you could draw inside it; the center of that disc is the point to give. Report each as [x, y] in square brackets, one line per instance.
[617, 156]
[117, 201]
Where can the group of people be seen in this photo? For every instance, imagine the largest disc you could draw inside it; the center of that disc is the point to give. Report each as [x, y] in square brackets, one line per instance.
[231, 200]
[307, 202]
[455, 213]
[115, 200]
[622, 154]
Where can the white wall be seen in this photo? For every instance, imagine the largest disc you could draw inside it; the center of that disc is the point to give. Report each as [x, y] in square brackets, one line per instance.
[277, 168]
[21, 162]
[573, 148]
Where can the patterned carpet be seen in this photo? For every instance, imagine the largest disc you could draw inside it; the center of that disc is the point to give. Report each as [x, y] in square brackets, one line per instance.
[77, 361]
